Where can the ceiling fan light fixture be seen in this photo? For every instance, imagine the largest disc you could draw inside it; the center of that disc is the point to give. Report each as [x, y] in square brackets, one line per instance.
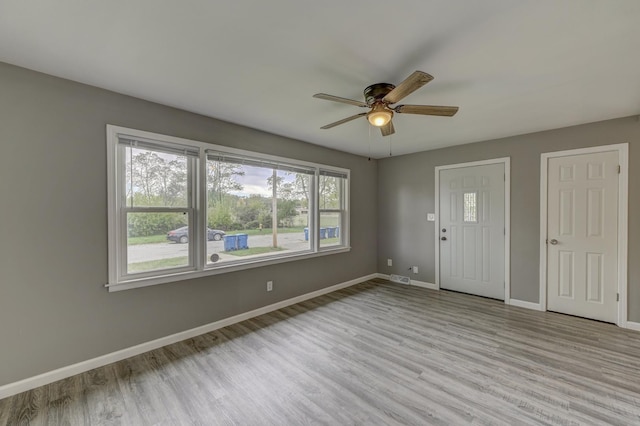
[378, 100]
[379, 116]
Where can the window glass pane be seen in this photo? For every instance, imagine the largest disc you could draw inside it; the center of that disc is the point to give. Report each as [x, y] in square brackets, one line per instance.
[241, 204]
[157, 241]
[155, 179]
[330, 196]
[330, 229]
[470, 213]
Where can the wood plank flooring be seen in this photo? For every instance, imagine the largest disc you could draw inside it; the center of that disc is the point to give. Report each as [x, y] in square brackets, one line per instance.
[377, 354]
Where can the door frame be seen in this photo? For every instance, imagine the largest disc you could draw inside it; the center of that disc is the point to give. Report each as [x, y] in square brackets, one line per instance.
[507, 218]
[623, 185]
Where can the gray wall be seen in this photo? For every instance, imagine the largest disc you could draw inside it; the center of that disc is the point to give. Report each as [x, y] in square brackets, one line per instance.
[54, 310]
[406, 194]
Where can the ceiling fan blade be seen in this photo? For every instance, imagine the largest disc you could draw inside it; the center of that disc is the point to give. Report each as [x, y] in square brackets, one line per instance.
[388, 129]
[344, 120]
[339, 99]
[445, 111]
[408, 86]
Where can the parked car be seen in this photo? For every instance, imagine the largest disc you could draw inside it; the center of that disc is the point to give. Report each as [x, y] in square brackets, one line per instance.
[181, 235]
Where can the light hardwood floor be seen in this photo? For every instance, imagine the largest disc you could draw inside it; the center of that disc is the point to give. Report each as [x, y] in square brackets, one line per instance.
[375, 353]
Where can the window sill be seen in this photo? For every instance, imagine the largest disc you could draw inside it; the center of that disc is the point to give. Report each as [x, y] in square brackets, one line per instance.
[222, 269]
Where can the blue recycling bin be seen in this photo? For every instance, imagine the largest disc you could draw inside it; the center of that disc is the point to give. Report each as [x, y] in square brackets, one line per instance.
[243, 241]
[306, 234]
[230, 242]
[323, 233]
[331, 232]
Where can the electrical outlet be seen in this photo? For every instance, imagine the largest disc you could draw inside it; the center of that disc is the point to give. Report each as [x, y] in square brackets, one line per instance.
[269, 285]
[415, 269]
[389, 262]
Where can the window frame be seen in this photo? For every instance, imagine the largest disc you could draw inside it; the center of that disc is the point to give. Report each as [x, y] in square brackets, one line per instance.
[342, 211]
[198, 265]
[124, 210]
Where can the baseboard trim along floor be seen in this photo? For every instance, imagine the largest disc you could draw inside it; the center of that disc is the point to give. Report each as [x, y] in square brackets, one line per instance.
[71, 370]
[633, 325]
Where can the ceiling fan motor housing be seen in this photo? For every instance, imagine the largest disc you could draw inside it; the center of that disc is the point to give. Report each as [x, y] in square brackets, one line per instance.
[374, 93]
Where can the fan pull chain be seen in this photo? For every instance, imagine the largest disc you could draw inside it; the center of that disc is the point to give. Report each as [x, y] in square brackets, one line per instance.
[369, 127]
[390, 136]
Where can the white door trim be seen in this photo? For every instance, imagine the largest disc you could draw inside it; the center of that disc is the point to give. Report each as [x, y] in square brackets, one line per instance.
[623, 184]
[507, 221]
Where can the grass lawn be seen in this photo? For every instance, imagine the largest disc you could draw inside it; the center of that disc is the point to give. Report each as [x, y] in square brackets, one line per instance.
[328, 241]
[267, 231]
[162, 238]
[151, 239]
[254, 250]
[152, 265]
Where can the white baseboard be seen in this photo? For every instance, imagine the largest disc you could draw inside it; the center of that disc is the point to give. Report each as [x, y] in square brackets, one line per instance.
[536, 306]
[632, 325]
[416, 283]
[424, 284]
[524, 304]
[71, 370]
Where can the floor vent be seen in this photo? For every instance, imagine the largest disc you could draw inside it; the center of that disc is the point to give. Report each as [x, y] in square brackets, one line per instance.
[400, 279]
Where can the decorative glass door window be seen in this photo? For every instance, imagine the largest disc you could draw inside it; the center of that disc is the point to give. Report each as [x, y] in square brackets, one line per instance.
[470, 206]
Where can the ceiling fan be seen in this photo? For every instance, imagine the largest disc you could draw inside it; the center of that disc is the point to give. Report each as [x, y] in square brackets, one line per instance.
[380, 96]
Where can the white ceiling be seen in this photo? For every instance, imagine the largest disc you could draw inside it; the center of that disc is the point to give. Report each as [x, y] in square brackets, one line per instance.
[512, 66]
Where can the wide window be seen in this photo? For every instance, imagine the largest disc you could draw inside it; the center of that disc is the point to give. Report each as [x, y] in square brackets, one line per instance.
[180, 209]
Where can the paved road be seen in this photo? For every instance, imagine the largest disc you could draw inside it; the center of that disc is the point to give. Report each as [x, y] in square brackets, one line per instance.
[146, 252]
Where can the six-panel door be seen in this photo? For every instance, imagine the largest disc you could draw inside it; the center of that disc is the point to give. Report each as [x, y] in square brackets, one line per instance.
[582, 226]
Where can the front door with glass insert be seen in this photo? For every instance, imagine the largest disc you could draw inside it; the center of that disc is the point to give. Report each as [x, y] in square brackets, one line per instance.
[472, 230]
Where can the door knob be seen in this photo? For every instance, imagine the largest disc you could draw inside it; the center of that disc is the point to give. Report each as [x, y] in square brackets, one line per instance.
[554, 242]
[444, 238]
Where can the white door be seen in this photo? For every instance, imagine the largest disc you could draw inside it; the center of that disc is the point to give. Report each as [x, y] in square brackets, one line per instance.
[582, 235]
[472, 230]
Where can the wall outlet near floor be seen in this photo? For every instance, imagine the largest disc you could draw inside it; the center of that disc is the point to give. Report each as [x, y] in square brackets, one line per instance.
[415, 269]
[269, 285]
[389, 262]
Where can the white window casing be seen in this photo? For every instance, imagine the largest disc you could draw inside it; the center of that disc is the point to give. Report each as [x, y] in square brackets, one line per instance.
[186, 161]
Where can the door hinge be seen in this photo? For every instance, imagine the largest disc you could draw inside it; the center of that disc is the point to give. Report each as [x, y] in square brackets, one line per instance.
[619, 168]
[617, 297]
